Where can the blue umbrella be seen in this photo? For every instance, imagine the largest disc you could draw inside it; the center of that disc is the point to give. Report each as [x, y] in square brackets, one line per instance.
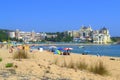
[59, 48]
[86, 51]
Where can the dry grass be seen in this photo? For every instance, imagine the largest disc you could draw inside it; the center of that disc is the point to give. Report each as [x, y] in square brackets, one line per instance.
[64, 64]
[21, 54]
[56, 61]
[99, 69]
[71, 64]
[0, 59]
[81, 65]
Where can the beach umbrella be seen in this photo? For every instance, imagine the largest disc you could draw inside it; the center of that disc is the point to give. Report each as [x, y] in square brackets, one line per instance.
[86, 51]
[52, 47]
[68, 48]
[65, 48]
[59, 48]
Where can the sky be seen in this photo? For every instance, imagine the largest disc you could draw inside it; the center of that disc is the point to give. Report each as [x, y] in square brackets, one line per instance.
[60, 15]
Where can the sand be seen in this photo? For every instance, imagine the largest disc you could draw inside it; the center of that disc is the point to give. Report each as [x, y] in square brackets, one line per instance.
[47, 66]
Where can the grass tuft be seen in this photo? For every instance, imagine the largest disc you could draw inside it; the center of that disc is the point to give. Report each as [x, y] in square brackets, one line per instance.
[99, 69]
[21, 54]
[71, 64]
[0, 59]
[56, 61]
[9, 65]
[81, 65]
[64, 63]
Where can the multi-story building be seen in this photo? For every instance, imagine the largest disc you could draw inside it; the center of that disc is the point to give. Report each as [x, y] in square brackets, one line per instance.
[12, 34]
[85, 33]
[102, 36]
[27, 36]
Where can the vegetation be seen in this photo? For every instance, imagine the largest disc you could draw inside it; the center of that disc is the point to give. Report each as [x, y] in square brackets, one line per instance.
[64, 64]
[81, 65]
[0, 59]
[9, 65]
[21, 54]
[71, 64]
[15, 39]
[115, 39]
[3, 35]
[99, 69]
[61, 37]
[56, 61]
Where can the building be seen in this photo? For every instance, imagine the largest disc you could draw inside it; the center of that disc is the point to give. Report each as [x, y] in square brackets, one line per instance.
[12, 34]
[28, 36]
[85, 33]
[102, 36]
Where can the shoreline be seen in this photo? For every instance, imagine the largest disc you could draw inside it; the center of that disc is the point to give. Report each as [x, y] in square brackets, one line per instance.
[95, 55]
[65, 44]
[77, 52]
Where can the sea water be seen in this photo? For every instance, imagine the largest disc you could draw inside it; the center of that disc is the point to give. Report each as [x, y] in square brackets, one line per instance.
[103, 50]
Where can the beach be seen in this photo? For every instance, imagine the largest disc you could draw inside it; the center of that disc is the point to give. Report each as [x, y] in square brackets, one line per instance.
[48, 66]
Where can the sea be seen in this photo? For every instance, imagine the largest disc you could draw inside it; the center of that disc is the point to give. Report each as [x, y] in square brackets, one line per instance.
[102, 50]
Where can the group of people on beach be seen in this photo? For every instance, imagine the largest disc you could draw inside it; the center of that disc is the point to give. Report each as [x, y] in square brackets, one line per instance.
[60, 52]
[18, 47]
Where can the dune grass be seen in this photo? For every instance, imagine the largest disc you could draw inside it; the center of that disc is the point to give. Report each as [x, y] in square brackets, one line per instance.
[81, 65]
[21, 54]
[71, 64]
[99, 69]
[0, 59]
[56, 61]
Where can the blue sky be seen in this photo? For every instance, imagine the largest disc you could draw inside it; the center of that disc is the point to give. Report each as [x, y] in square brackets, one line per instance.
[60, 15]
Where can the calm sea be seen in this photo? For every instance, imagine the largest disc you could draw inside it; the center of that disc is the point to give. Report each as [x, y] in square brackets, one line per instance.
[104, 50]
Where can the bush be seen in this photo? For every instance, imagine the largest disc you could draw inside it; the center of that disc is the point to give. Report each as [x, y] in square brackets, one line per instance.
[21, 54]
[0, 59]
[9, 65]
[99, 69]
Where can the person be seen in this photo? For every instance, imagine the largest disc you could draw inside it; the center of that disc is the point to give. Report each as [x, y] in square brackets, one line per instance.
[98, 54]
[11, 49]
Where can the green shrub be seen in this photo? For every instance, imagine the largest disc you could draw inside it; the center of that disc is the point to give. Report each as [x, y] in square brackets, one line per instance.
[9, 65]
[99, 69]
[0, 59]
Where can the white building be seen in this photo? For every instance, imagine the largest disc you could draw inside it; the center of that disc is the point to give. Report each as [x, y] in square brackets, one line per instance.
[12, 34]
[102, 36]
[85, 32]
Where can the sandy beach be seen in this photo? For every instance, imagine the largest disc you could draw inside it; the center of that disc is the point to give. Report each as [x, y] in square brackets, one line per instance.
[48, 66]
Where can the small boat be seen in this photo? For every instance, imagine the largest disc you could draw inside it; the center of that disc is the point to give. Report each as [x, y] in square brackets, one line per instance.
[81, 46]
